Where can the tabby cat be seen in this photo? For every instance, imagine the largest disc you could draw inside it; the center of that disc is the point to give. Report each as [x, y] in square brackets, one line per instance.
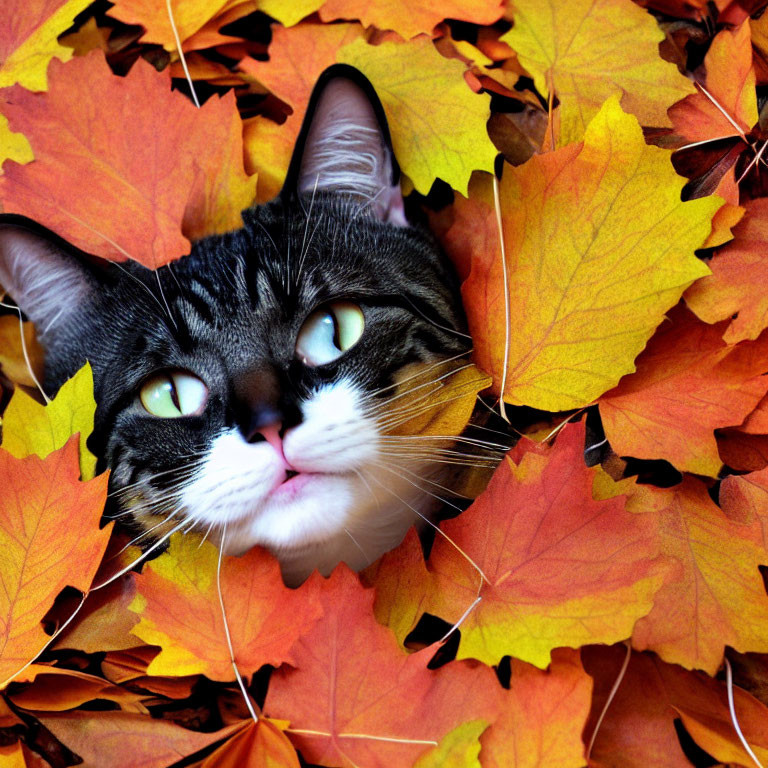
[246, 389]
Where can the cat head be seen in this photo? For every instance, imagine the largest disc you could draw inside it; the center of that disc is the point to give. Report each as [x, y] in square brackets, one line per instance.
[247, 389]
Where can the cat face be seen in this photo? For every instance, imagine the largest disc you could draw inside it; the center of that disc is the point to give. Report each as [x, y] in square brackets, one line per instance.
[246, 390]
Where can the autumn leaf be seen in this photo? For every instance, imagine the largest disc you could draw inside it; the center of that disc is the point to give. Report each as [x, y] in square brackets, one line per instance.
[31, 428]
[385, 712]
[12, 352]
[179, 608]
[441, 405]
[587, 51]
[717, 597]
[147, 179]
[188, 17]
[50, 538]
[57, 690]
[730, 109]
[449, 140]
[257, 745]
[127, 740]
[291, 13]
[639, 729]
[560, 568]
[297, 56]
[13, 146]
[739, 270]
[28, 39]
[459, 748]
[542, 716]
[411, 18]
[586, 292]
[688, 383]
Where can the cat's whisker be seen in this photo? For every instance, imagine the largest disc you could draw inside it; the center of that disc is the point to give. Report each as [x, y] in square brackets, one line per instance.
[145, 287]
[389, 468]
[417, 387]
[390, 424]
[420, 372]
[165, 301]
[431, 482]
[183, 471]
[139, 559]
[227, 634]
[360, 474]
[357, 544]
[483, 577]
[437, 325]
[487, 444]
[138, 538]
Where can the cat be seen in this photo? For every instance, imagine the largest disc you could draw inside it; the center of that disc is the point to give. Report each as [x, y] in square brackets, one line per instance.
[245, 390]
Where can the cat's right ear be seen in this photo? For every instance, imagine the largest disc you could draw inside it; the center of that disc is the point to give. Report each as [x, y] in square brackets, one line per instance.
[47, 277]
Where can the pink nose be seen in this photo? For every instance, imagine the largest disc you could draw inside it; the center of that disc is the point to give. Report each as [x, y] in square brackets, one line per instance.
[271, 433]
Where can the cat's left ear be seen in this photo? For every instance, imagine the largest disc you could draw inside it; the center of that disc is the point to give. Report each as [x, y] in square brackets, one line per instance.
[344, 146]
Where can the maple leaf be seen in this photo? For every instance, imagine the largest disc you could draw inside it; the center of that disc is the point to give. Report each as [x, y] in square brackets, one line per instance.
[57, 690]
[542, 716]
[297, 56]
[104, 623]
[189, 16]
[688, 383]
[257, 745]
[717, 596]
[384, 712]
[586, 51]
[586, 292]
[447, 141]
[143, 176]
[13, 146]
[739, 270]
[12, 352]
[731, 107]
[411, 18]
[560, 568]
[30, 428]
[440, 406]
[459, 748]
[179, 607]
[639, 729]
[28, 39]
[50, 539]
[128, 740]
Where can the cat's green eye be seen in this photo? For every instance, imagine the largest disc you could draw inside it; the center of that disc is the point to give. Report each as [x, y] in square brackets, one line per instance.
[173, 394]
[329, 332]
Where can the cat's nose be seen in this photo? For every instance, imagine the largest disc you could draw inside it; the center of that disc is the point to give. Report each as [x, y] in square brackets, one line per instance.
[262, 422]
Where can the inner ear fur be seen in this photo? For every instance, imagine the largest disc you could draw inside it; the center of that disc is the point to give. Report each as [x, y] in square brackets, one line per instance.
[47, 277]
[344, 146]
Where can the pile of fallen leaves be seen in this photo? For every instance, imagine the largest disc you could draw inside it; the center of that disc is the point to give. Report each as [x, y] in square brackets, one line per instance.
[609, 612]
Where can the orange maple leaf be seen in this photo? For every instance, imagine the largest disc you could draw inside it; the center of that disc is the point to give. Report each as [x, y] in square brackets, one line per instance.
[717, 597]
[356, 698]
[179, 607]
[688, 383]
[113, 154]
[639, 727]
[560, 568]
[50, 539]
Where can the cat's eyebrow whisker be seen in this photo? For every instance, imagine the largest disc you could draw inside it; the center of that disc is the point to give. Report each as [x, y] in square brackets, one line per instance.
[144, 286]
[483, 577]
[165, 301]
[437, 325]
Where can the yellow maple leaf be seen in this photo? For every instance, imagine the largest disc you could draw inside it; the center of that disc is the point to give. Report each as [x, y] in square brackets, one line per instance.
[589, 50]
[30, 428]
[437, 122]
[599, 246]
[290, 12]
[29, 40]
[13, 146]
